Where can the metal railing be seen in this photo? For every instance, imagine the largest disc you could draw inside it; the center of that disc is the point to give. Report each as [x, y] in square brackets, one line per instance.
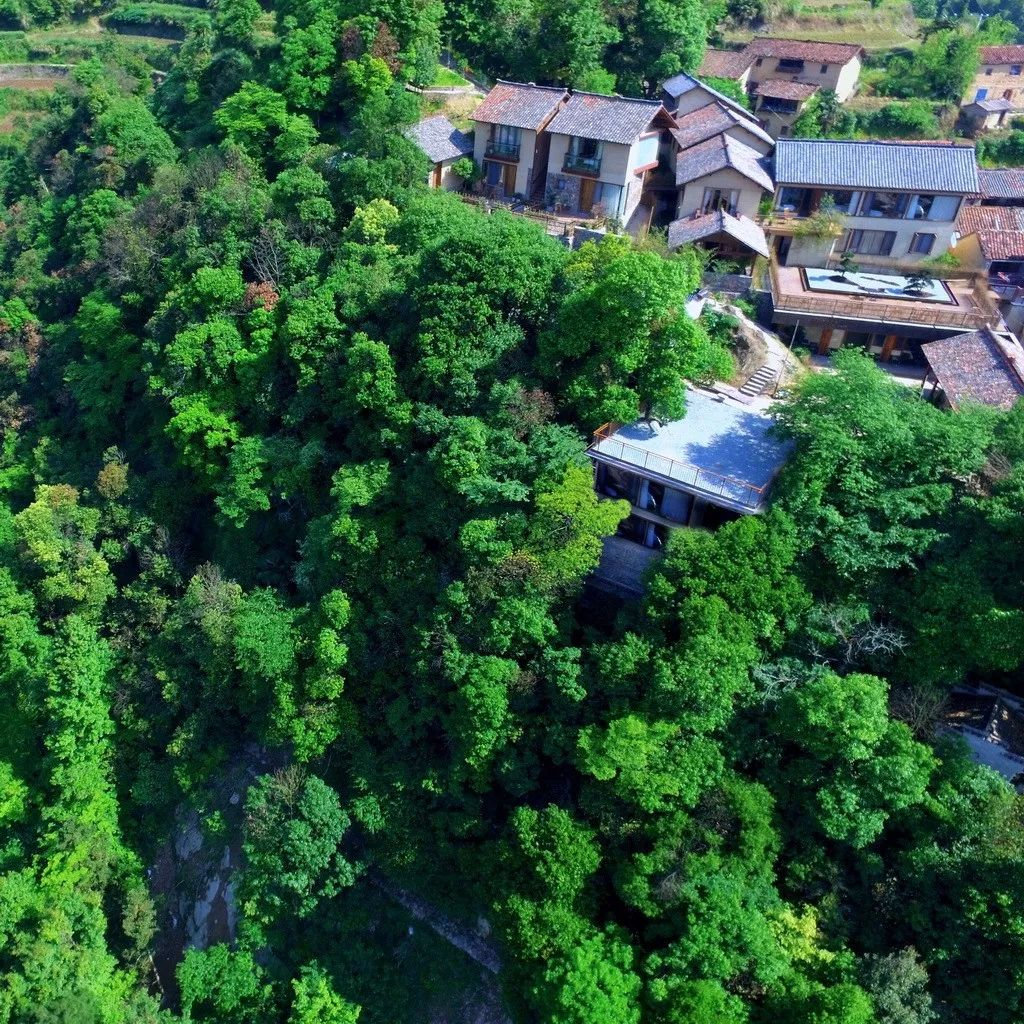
[582, 164]
[707, 481]
[502, 150]
[879, 311]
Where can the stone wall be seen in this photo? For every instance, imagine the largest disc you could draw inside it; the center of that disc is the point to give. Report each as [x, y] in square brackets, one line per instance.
[11, 72]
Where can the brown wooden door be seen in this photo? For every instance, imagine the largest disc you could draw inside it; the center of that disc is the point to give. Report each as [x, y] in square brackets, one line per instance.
[587, 186]
[508, 178]
[436, 176]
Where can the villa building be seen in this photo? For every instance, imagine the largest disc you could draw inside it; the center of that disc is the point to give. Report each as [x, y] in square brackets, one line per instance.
[898, 202]
[509, 143]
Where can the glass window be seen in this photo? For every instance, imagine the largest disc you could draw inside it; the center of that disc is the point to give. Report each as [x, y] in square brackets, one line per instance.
[791, 199]
[870, 243]
[922, 243]
[609, 196]
[944, 208]
[824, 69]
[720, 199]
[845, 200]
[1014, 69]
[884, 204]
[506, 135]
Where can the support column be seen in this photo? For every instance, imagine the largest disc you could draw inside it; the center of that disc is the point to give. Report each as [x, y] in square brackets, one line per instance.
[697, 512]
[887, 346]
[825, 341]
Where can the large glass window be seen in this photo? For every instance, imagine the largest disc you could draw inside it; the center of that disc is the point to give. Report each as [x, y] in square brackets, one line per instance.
[884, 204]
[845, 200]
[922, 243]
[609, 196]
[791, 199]
[720, 199]
[869, 243]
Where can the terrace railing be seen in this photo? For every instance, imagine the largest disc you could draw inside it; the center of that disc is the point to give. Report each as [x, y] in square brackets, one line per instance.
[576, 164]
[502, 150]
[706, 481]
[875, 310]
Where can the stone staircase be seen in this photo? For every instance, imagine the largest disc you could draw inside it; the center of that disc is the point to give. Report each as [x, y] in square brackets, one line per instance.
[759, 381]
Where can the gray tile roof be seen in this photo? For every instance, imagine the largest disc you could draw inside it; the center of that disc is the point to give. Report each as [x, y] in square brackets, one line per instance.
[694, 229]
[1002, 183]
[718, 153]
[440, 139]
[608, 118]
[706, 122]
[518, 105]
[993, 106]
[977, 367]
[681, 84]
[904, 166]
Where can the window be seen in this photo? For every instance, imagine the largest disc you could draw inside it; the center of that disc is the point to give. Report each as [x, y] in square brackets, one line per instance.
[884, 204]
[980, 95]
[824, 69]
[757, 62]
[792, 200]
[938, 208]
[988, 71]
[609, 196]
[845, 200]
[720, 199]
[869, 243]
[790, 65]
[922, 244]
[1014, 69]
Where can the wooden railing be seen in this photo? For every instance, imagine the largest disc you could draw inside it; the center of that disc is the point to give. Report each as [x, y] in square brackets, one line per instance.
[707, 481]
[878, 311]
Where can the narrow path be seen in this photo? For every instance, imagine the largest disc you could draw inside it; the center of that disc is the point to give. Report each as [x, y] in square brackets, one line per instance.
[453, 933]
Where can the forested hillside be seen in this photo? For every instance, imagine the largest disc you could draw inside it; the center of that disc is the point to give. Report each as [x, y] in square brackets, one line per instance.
[294, 529]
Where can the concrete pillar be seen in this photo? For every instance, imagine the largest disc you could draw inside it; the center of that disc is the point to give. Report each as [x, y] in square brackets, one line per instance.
[887, 346]
[697, 512]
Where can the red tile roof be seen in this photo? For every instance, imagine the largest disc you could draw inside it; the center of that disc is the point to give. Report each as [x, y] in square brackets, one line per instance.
[723, 64]
[518, 105]
[804, 49]
[977, 367]
[779, 88]
[1001, 54]
[1000, 230]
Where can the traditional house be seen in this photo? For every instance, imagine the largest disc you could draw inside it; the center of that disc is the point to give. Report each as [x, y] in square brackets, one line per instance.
[779, 102]
[998, 76]
[443, 144]
[717, 119]
[601, 150]
[510, 143]
[897, 202]
[1002, 186]
[721, 184]
[714, 465]
[682, 94]
[983, 367]
[992, 240]
[985, 115]
[764, 65]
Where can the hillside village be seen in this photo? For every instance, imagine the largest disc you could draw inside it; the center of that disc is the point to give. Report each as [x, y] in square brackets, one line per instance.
[512, 513]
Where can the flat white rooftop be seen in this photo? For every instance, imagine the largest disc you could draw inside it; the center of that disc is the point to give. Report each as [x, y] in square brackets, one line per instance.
[719, 450]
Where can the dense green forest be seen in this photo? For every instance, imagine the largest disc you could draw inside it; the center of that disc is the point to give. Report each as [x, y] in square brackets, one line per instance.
[294, 530]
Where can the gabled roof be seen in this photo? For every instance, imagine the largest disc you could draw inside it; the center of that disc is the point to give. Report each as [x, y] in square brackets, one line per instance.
[981, 366]
[707, 225]
[590, 115]
[714, 119]
[1013, 54]
[1001, 183]
[440, 139]
[683, 83]
[723, 63]
[1000, 230]
[518, 105]
[718, 153]
[780, 88]
[992, 106]
[804, 49]
[907, 166]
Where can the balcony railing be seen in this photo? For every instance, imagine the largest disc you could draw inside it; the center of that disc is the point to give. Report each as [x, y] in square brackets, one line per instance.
[700, 480]
[576, 164]
[502, 150]
[876, 310]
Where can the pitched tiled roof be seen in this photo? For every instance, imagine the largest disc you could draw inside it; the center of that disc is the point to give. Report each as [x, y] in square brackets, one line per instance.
[992, 106]
[782, 89]
[1000, 230]
[707, 225]
[440, 139]
[723, 64]
[590, 115]
[977, 367]
[804, 49]
[1002, 183]
[909, 166]
[719, 152]
[518, 105]
[1001, 54]
[706, 122]
[683, 83]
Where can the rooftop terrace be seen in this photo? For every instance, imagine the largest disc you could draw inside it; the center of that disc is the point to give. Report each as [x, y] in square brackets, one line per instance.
[966, 302]
[719, 451]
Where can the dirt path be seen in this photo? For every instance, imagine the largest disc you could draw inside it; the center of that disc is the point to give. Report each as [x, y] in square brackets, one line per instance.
[453, 933]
